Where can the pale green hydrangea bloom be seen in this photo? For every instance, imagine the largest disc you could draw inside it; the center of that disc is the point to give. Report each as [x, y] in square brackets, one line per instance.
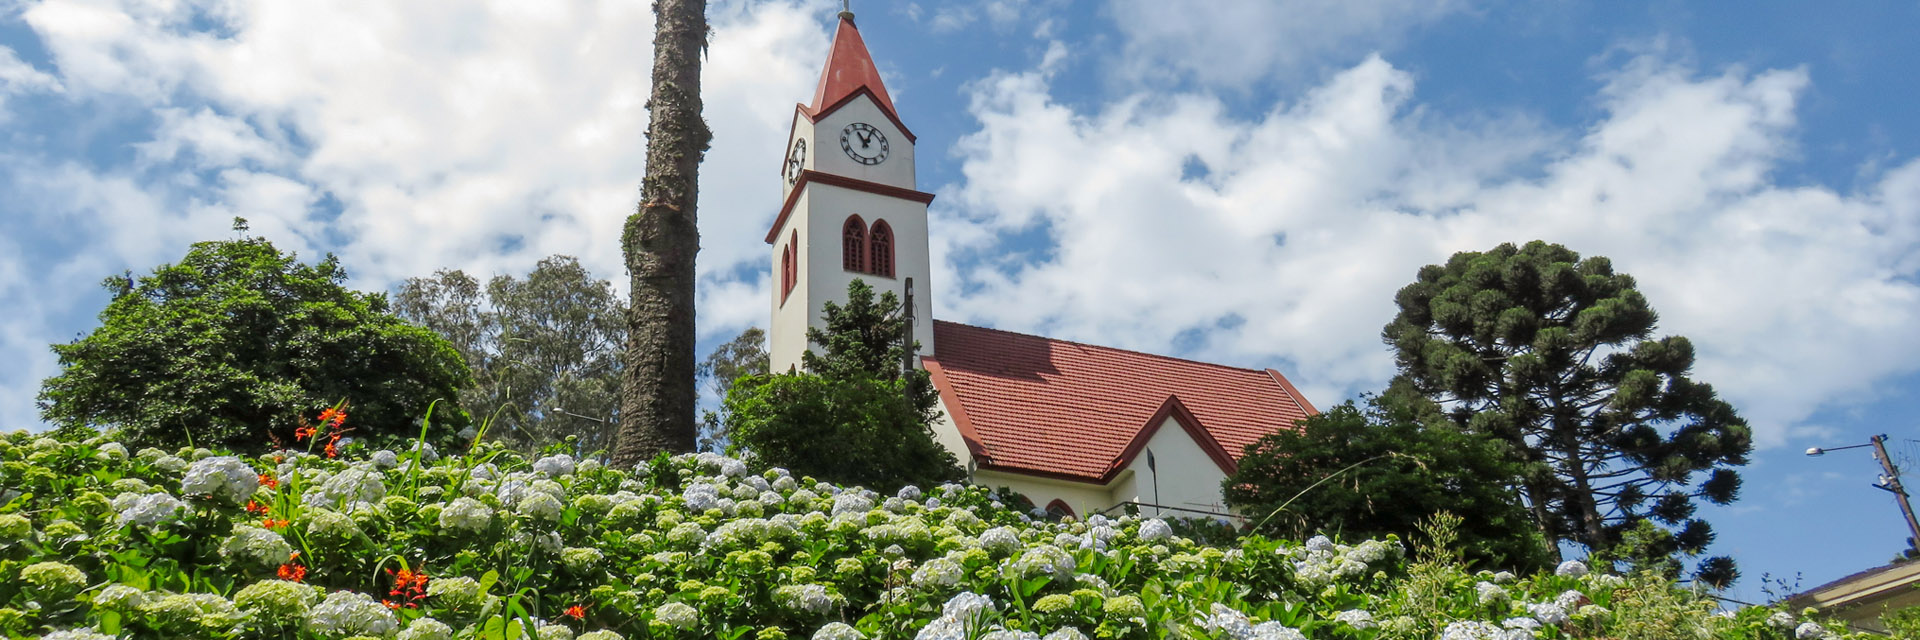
[349, 613]
[14, 528]
[256, 547]
[426, 629]
[119, 597]
[466, 514]
[677, 615]
[276, 600]
[53, 582]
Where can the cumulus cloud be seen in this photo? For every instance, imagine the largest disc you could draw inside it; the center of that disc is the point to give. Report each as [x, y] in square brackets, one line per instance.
[1168, 40]
[1167, 224]
[405, 137]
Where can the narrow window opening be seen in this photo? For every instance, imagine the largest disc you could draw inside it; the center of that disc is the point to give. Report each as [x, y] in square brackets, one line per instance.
[882, 242]
[853, 245]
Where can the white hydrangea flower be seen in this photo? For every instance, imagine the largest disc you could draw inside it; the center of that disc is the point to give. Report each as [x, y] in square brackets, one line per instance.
[554, 465]
[1504, 577]
[1319, 543]
[1004, 634]
[600, 635]
[1810, 631]
[541, 506]
[384, 459]
[77, 634]
[256, 547]
[427, 629]
[850, 503]
[1528, 624]
[838, 631]
[1490, 594]
[1276, 631]
[1571, 600]
[1606, 581]
[349, 613]
[1044, 559]
[1000, 540]
[808, 598]
[225, 478]
[1225, 619]
[700, 497]
[939, 572]
[959, 613]
[1472, 630]
[119, 597]
[1782, 620]
[1548, 612]
[151, 510]
[1356, 618]
[677, 615]
[466, 514]
[733, 468]
[1065, 633]
[1571, 569]
[343, 489]
[545, 631]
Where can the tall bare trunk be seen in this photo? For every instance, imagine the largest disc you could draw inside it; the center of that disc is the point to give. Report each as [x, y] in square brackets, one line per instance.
[660, 240]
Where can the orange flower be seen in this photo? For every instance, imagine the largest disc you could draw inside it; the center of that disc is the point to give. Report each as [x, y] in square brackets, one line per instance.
[333, 448]
[292, 572]
[303, 433]
[333, 417]
[255, 507]
[271, 523]
[390, 604]
[267, 480]
[576, 612]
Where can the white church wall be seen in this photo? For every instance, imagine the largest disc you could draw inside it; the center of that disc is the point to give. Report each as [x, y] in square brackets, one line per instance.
[826, 155]
[826, 278]
[1188, 477]
[786, 335]
[947, 433]
[1085, 498]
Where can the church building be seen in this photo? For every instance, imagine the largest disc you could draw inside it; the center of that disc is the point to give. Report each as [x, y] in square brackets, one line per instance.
[1077, 428]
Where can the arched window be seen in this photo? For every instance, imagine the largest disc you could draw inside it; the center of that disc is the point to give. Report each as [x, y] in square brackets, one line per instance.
[853, 245]
[1058, 510]
[793, 266]
[882, 242]
[786, 273]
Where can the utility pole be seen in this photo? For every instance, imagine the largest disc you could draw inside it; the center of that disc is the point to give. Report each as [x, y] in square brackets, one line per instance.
[1891, 482]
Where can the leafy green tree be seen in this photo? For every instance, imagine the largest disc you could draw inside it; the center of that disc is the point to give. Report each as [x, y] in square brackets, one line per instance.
[1383, 468]
[1555, 355]
[855, 416]
[538, 345]
[866, 338]
[744, 355]
[237, 343]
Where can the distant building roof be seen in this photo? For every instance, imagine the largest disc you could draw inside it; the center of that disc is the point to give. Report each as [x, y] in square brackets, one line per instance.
[1861, 598]
[1040, 406]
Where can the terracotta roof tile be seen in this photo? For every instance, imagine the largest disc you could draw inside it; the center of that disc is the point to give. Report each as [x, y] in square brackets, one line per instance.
[1053, 407]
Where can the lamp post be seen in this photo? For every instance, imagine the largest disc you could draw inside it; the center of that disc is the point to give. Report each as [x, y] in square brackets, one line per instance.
[1890, 482]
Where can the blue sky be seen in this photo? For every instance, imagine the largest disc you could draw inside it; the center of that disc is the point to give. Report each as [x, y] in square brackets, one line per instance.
[1245, 182]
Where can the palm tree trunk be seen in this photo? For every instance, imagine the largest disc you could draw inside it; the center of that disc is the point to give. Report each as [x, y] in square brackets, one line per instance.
[660, 240]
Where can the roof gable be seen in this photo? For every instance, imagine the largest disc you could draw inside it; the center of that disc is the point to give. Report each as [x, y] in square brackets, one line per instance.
[1035, 405]
[850, 72]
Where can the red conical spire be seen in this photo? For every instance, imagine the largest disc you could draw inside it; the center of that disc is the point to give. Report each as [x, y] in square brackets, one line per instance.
[849, 68]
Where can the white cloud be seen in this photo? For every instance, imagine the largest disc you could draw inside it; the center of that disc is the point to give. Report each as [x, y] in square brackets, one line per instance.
[19, 78]
[1288, 247]
[1236, 42]
[405, 137]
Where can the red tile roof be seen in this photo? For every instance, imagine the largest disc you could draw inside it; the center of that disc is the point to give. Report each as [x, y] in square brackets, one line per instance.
[849, 69]
[1049, 407]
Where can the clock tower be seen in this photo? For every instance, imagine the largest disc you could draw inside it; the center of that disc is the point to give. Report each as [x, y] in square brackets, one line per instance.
[850, 206]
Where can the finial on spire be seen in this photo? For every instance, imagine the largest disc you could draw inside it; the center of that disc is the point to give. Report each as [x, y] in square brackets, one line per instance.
[846, 10]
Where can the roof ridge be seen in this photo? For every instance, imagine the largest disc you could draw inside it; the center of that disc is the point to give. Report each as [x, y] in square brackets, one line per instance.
[1261, 371]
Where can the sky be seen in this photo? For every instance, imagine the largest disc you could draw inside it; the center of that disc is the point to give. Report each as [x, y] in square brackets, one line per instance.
[1239, 181]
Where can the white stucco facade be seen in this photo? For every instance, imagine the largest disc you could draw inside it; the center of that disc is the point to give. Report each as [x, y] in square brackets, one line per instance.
[1182, 478]
[813, 228]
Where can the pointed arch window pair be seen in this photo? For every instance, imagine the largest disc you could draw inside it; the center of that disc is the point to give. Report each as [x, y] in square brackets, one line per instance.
[864, 250]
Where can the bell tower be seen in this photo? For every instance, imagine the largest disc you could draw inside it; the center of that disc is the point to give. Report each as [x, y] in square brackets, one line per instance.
[850, 205]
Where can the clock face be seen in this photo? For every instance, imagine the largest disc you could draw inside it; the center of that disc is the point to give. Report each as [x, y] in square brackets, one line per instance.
[796, 160]
[863, 143]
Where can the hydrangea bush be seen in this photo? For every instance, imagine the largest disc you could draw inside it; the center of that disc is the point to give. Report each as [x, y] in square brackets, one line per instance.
[97, 542]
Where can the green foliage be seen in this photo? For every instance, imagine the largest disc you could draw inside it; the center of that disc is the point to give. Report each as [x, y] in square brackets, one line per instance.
[859, 431]
[1555, 355]
[237, 343]
[744, 355]
[1383, 469]
[493, 544]
[1904, 624]
[855, 416]
[548, 341]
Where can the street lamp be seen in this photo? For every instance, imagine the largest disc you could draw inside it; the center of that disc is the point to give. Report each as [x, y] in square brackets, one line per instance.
[1889, 481]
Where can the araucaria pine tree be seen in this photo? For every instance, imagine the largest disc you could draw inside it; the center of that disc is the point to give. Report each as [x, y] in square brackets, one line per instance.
[1557, 355]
